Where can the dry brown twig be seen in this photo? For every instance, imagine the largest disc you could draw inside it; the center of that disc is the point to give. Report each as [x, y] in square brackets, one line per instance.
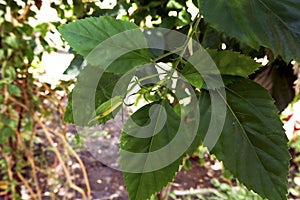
[85, 176]
[10, 174]
[27, 185]
[59, 156]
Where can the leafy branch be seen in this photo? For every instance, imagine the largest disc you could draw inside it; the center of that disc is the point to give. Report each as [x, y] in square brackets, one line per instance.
[251, 143]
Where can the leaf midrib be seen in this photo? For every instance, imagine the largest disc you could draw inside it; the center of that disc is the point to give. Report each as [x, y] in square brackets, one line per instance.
[244, 131]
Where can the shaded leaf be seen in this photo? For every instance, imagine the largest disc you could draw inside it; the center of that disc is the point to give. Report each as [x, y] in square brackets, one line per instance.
[14, 90]
[142, 185]
[104, 92]
[192, 75]
[107, 108]
[278, 78]
[270, 23]
[12, 41]
[252, 144]
[78, 8]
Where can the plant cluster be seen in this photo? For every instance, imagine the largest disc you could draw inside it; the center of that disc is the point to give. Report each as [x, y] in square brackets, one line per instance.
[32, 135]
[252, 143]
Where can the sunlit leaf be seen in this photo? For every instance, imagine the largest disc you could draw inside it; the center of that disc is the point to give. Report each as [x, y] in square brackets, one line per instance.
[121, 53]
[227, 62]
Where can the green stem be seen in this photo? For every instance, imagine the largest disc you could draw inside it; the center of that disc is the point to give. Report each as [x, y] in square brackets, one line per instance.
[165, 55]
[142, 79]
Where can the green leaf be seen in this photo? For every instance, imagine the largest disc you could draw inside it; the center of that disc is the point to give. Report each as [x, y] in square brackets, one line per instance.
[141, 185]
[14, 90]
[78, 9]
[233, 63]
[1, 99]
[9, 74]
[75, 66]
[12, 40]
[103, 93]
[169, 22]
[192, 75]
[172, 4]
[270, 23]
[228, 63]
[184, 17]
[119, 48]
[252, 144]
[107, 108]
[6, 133]
[2, 55]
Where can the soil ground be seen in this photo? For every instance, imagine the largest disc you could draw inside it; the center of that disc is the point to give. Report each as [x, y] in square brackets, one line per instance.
[107, 183]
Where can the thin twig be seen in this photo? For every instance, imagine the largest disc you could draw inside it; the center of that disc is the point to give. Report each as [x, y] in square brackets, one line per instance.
[48, 136]
[35, 179]
[17, 102]
[10, 175]
[28, 187]
[30, 157]
[85, 176]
